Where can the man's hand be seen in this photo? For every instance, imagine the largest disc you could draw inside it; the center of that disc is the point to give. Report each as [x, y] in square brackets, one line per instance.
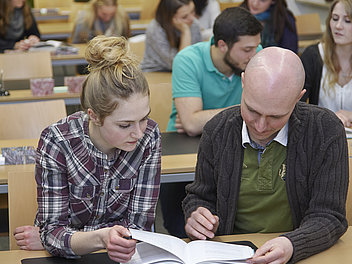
[178, 125]
[27, 238]
[202, 224]
[278, 250]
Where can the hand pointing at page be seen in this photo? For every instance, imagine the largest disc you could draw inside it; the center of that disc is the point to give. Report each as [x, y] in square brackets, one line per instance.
[202, 224]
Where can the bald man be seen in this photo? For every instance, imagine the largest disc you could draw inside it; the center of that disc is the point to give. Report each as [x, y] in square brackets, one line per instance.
[273, 164]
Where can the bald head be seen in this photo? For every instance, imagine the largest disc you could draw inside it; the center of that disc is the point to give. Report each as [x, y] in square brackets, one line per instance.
[276, 74]
[272, 85]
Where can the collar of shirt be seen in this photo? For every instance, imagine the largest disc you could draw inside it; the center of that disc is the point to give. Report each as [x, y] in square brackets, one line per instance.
[281, 137]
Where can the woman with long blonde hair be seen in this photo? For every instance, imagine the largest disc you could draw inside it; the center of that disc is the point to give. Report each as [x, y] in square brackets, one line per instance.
[102, 17]
[328, 65]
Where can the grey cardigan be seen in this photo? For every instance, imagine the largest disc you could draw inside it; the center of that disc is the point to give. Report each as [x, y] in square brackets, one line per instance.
[316, 180]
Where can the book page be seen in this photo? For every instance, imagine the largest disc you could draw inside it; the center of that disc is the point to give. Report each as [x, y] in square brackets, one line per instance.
[148, 254]
[211, 251]
[169, 243]
[348, 132]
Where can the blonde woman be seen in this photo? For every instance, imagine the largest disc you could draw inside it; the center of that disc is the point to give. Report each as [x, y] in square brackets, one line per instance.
[102, 17]
[328, 65]
[98, 171]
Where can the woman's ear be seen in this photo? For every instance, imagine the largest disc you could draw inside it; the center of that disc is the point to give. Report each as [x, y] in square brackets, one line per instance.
[93, 117]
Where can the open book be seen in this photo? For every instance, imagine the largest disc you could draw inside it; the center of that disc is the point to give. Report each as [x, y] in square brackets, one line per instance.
[161, 248]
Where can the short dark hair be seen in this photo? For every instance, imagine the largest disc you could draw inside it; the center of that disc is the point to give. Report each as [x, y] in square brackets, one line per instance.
[234, 22]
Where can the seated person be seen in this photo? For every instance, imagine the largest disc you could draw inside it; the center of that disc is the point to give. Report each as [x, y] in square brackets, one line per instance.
[268, 166]
[328, 64]
[103, 17]
[279, 23]
[205, 80]
[173, 29]
[18, 29]
[206, 13]
[98, 171]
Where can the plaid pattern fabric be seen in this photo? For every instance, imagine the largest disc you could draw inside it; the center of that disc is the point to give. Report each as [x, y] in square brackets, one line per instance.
[80, 189]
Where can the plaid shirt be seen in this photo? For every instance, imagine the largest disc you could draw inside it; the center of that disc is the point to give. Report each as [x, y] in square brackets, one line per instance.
[80, 189]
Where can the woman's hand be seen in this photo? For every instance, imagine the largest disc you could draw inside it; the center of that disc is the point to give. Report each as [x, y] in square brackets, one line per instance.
[27, 238]
[180, 24]
[119, 245]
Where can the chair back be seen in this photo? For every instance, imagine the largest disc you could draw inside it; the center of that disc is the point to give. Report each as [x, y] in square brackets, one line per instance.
[308, 26]
[148, 9]
[160, 103]
[52, 3]
[137, 45]
[22, 201]
[27, 120]
[26, 65]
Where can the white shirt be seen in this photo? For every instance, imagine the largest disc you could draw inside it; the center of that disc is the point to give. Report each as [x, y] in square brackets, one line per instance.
[206, 20]
[341, 99]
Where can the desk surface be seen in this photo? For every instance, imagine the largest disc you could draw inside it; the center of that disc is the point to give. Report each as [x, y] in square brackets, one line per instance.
[339, 253]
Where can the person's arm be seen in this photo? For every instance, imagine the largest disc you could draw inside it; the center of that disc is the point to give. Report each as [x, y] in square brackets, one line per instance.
[185, 30]
[324, 183]
[313, 64]
[192, 116]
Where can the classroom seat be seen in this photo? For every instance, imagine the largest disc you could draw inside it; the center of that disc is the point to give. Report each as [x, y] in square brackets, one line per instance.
[160, 103]
[52, 3]
[22, 201]
[26, 65]
[137, 45]
[308, 30]
[27, 120]
[224, 5]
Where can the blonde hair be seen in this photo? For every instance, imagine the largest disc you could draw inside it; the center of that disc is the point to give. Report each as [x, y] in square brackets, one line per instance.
[114, 74]
[121, 19]
[330, 58]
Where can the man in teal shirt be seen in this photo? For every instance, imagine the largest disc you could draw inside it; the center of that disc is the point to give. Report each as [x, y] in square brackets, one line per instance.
[205, 80]
[206, 76]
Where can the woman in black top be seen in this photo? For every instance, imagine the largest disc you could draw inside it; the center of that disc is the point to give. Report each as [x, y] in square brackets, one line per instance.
[18, 29]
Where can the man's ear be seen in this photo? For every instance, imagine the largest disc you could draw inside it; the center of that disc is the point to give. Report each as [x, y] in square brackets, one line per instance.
[222, 46]
[93, 117]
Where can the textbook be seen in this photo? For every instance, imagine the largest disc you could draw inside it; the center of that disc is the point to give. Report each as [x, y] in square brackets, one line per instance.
[161, 248]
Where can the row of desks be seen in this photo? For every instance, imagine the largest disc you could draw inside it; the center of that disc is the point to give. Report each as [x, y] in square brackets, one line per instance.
[339, 253]
[25, 95]
[64, 29]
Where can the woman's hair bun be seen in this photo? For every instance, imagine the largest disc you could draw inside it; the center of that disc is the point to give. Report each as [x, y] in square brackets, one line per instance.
[105, 52]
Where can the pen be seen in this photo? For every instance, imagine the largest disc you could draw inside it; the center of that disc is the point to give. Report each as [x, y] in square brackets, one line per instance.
[127, 237]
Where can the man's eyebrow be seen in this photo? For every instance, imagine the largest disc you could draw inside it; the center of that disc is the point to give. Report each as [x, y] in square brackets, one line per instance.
[253, 110]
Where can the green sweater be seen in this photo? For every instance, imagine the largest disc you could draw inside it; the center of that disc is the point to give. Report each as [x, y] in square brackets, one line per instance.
[317, 176]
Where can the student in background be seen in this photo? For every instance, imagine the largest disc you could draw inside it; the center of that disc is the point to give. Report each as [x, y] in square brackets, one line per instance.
[173, 29]
[18, 29]
[98, 171]
[272, 164]
[328, 65]
[279, 23]
[102, 17]
[206, 12]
